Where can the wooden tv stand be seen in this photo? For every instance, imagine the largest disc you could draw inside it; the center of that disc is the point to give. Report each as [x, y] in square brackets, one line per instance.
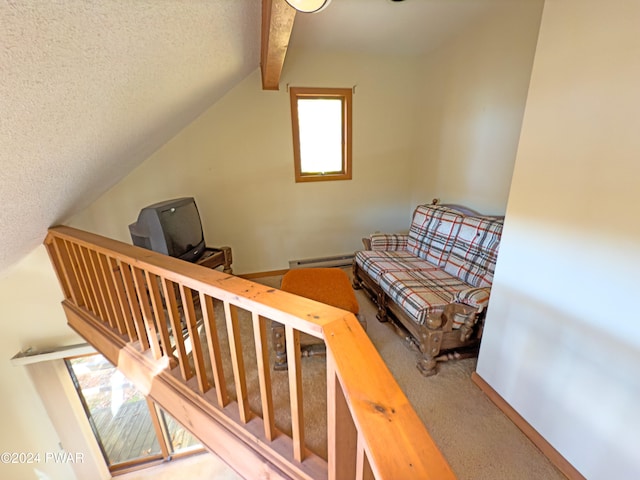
[215, 257]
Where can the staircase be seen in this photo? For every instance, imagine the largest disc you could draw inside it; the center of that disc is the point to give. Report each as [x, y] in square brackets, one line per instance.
[153, 317]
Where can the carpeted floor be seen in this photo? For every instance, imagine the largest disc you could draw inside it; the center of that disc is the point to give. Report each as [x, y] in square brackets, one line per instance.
[477, 439]
[314, 381]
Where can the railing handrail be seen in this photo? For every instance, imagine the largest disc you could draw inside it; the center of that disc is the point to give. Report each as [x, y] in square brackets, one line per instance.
[237, 290]
[392, 442]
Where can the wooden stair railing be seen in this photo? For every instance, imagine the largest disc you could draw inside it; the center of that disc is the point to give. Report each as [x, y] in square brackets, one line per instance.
[153, 317]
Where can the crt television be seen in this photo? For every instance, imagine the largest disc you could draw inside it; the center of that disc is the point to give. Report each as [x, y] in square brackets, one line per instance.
[171, 227]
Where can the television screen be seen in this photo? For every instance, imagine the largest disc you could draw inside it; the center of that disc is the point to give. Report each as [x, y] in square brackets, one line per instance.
[171, 227]
[181, 227]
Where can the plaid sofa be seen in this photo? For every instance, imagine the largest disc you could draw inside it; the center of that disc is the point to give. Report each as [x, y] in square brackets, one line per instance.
[445, 262]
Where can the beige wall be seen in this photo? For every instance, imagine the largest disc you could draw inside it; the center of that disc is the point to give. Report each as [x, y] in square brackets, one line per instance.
[562, 337]
[66, 412]
[443, 126]
[473, 93]
[237, 160]
[32, 317]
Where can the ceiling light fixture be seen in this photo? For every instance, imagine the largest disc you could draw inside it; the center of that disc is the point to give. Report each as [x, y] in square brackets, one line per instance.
[309, 6]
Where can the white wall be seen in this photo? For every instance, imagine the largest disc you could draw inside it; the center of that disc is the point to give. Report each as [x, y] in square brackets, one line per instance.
[443, 126]
[473, 95]
[66, 412]
[31, 317]
[237, 160]
[562, 336]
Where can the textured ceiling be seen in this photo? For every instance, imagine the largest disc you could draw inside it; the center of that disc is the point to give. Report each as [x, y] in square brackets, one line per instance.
[90, 88]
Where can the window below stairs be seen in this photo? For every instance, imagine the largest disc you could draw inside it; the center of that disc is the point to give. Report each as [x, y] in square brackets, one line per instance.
[131, 430]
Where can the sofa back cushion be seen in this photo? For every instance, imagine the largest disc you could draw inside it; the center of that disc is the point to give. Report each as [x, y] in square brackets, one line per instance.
[475, 251]
[432, 233]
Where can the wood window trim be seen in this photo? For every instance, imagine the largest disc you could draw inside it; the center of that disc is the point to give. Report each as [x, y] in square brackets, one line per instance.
[168, 450]
[346, 95]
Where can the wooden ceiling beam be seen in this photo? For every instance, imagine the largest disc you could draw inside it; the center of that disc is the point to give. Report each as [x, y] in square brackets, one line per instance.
[277, 24]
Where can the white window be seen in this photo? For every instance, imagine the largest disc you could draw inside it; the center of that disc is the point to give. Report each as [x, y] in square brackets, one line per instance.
[321, 120]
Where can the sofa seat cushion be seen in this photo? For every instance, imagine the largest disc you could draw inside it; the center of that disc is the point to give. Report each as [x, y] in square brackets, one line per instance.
[475, 251]
[375, 262]
[432, 233]
[420, 292]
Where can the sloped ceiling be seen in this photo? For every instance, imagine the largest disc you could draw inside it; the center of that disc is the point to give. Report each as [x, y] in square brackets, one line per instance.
[91, 88]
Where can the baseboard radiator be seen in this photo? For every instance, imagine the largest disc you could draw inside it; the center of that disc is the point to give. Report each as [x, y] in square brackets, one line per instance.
[325, 262]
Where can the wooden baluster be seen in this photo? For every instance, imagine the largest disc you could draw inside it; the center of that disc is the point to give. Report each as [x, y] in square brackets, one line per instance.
[147, 316]
[125, 322]
[342, 435]
[118, 279]
[213, 343]
[84, 274]
[103, 289]
[76, 273]
[60, 259]
[88, 256]
[176, 328]
[237, 362]
[363, 468]
[377, 404]
[158, 310]
[196, 347]
[130, 299]
[134, 304]
[112, 291]
[295, 391]
[264, 376]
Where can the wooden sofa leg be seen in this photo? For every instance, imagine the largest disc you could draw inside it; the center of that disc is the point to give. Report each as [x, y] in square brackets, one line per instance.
[427, 365]
[381, 302]
[228, 260]
[355, 281]
[279, 346]
[355, 278]
[430, 342]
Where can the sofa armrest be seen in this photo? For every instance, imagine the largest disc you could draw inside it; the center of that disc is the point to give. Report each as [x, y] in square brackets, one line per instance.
[388, 241]
[474, 297]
